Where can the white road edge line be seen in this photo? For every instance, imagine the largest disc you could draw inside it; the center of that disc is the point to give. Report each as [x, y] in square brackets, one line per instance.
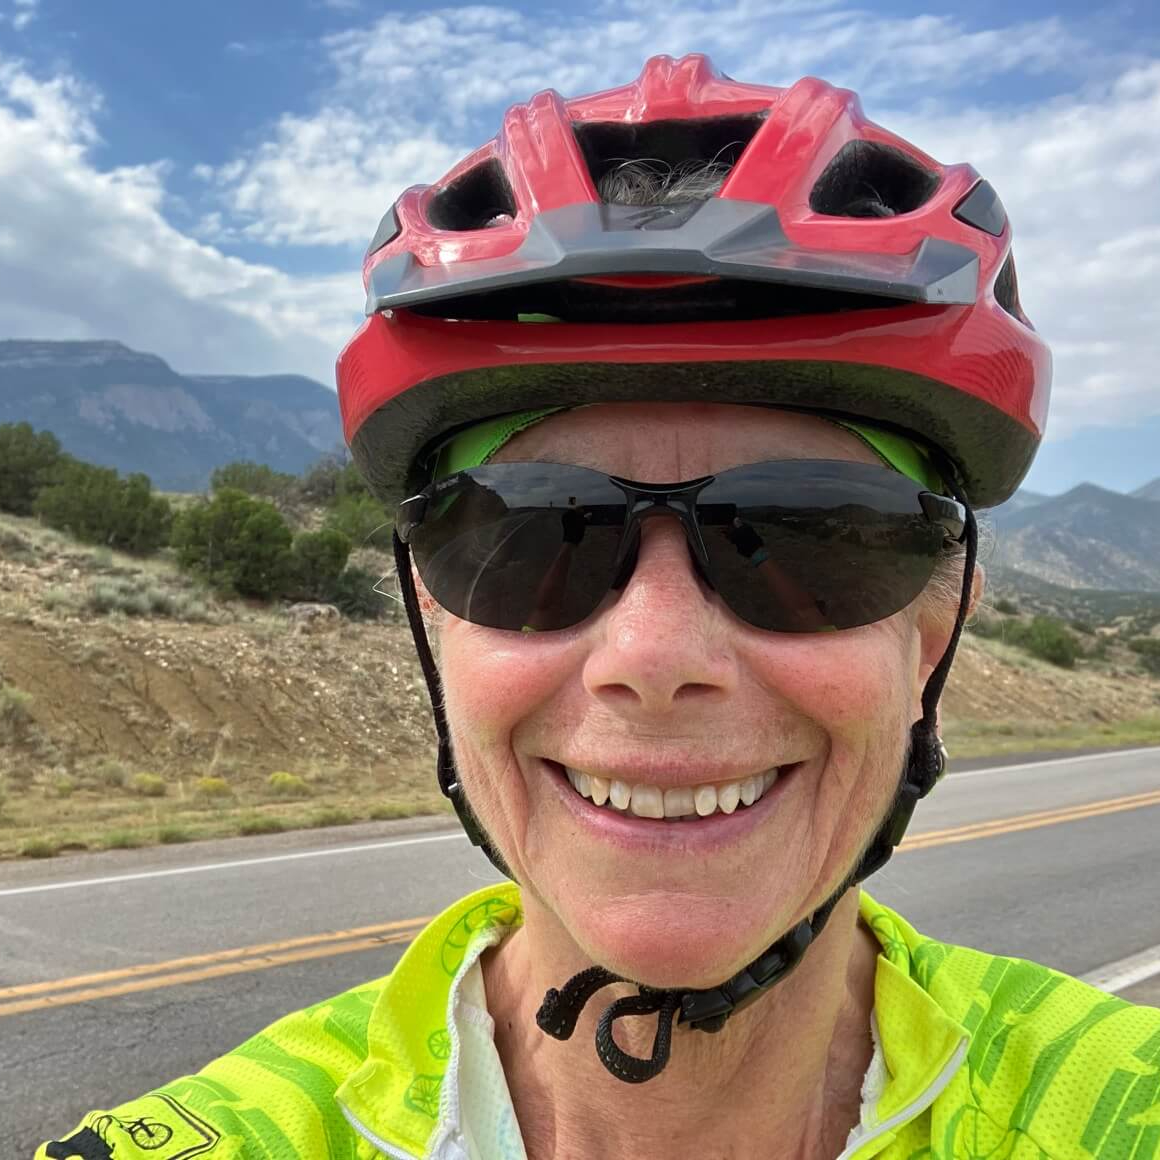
[1124, 973]
[336, 851]
[1052, 761]
[333, 852]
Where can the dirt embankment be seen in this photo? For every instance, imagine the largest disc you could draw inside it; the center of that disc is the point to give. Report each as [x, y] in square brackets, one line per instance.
[117, 729]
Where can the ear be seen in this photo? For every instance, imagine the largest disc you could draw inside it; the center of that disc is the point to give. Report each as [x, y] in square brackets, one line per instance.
[430, 609]
[936, 622]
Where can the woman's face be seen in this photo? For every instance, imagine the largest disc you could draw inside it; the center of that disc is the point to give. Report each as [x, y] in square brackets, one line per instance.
[664, 686]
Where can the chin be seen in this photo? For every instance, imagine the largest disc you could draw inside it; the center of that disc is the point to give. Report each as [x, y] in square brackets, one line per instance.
[679, 945]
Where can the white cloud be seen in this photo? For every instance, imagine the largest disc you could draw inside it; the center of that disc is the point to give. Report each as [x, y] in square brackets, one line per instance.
[1079, 176]
[88, 252]
[407, 95]
[22, 14]
[410, 93]
[1079, 173]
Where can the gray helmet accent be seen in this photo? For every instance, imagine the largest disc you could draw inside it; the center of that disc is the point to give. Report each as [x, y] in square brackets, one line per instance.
[718, 237]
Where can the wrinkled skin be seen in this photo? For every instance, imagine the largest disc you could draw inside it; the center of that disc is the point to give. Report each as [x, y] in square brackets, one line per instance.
[664, 684]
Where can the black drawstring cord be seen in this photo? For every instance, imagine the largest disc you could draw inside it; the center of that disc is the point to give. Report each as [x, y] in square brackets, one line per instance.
[561, 1009]
[703, 1010]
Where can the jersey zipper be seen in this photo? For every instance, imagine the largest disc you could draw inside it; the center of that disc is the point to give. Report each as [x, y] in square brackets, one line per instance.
[378, 1142]
[915, 1107]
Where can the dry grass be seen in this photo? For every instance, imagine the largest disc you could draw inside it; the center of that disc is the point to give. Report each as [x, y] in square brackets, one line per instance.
[128, 727]
[965, 738]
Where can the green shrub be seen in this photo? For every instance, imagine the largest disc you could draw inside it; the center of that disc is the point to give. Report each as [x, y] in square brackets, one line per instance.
[989, 627]
[56, 598]
[389, 811]
[148, 785]
[15, 714]
[39, 848]
[287, 784]
[173, 835]
[360, 517]
[330, 480]
[316, 561]
[28, 459]
[123, 840]
[1048, 639]
[1007, 607]
[111, 773]
[62, 786]
[354, 595]
[1148, 650]
[213, 788]
[331, 816]
[95, 505]
[1080, 625]
[235, 543]
[259, 824]
[253, 479]
[107, 596]
[13, 546]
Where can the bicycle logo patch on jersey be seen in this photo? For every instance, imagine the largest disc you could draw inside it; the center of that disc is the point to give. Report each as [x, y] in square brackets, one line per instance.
[160, 1130]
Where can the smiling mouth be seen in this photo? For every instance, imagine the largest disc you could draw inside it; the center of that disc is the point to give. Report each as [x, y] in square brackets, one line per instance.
[687, 803]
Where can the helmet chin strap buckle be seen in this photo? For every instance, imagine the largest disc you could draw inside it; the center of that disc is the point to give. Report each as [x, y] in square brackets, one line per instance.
[708, 1010]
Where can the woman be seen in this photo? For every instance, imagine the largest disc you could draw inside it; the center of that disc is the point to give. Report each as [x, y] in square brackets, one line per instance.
[685, 392]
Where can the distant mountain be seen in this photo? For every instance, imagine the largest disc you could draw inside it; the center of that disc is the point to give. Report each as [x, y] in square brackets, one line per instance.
[1023, 499]
[1087, 538]
[1149, 490]
[126, 409]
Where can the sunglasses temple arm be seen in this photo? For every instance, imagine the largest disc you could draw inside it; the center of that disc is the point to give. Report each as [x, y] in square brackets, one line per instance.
[449, 782]
[934, 684]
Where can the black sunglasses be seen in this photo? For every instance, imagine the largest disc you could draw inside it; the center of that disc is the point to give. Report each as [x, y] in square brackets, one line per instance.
[791, 545]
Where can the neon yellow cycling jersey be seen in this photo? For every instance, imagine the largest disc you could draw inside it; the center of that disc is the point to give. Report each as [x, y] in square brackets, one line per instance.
[978, 1057]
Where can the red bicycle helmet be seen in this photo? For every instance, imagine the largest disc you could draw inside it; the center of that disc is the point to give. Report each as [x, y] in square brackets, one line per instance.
[837, 269]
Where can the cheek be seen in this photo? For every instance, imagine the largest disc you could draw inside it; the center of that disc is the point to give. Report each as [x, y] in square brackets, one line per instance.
[858, 689]
[492, 682]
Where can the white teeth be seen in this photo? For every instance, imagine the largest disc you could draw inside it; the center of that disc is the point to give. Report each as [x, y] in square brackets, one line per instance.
[705, 799]
[728, 796]
[647, 802]
[650, 801]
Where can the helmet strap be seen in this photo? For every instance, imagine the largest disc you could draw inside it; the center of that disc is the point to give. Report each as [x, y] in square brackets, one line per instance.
[708, 1009]
[449, 782]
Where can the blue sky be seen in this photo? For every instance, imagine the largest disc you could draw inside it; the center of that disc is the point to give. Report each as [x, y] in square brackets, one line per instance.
[200, 180]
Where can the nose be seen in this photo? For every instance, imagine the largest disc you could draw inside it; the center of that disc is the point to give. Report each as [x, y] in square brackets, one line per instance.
[664, 643]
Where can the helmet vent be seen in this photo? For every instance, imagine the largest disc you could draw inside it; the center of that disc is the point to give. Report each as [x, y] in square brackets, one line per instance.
[865, 179]
[474, 200]
[663, 162]
[1007, 290]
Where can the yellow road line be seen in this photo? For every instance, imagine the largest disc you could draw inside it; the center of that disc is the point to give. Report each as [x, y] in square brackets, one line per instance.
[216, 971]
[411, 925]
[27, 997]
[969, 833]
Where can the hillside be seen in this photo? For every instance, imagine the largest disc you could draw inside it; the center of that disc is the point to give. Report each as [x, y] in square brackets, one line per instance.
[1088, 537]
[126, 409]
[118, 730]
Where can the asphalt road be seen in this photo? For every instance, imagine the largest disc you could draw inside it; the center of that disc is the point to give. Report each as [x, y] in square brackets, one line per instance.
[1054, 861]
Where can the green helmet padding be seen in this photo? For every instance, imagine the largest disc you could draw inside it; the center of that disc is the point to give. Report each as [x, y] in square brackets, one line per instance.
[475, 446]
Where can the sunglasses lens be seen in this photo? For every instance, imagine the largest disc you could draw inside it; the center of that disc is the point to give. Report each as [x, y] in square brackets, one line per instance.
[519, 545]
[813, 546]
